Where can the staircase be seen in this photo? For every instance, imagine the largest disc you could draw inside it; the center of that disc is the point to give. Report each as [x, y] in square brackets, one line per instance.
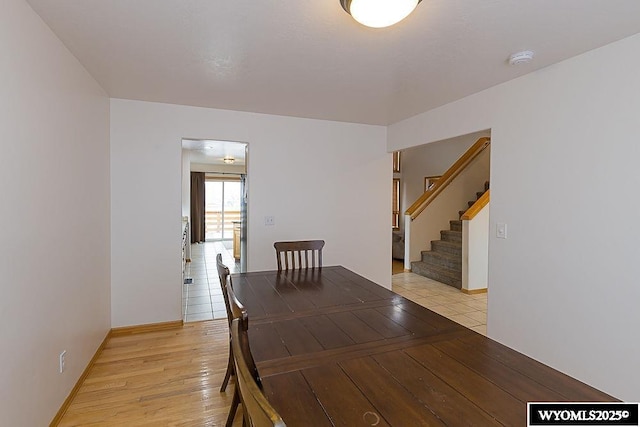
[444, 261]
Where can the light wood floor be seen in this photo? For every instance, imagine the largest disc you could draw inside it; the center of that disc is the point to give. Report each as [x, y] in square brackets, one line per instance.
[397, 266]
[173, 377]
[165, 378]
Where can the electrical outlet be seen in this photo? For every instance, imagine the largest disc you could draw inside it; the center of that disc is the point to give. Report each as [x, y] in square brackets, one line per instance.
[61, 361]
[269, 220]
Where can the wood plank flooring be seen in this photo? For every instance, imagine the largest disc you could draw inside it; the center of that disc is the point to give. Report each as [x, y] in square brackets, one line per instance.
[164, 378]
[172, 378]
[397, 266]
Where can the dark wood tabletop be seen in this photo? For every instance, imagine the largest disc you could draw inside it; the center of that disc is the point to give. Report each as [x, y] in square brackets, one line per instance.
[334, 348]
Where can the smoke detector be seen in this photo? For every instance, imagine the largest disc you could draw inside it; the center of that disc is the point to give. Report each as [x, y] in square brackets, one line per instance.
[521, 57]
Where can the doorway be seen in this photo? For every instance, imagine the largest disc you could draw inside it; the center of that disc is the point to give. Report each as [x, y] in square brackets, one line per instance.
[420, 166]
[217, 172]
[223, 209]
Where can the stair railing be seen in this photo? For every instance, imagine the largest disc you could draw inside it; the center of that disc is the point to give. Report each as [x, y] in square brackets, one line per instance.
[476, 207]
[429, 196]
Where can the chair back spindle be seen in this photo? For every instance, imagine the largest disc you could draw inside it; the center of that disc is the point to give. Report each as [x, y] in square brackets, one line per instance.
[299, 254]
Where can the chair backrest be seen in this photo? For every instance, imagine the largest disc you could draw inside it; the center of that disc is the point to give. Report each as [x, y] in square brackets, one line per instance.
[299, 254]
[223, 276]
[257, 408]
[237, 309]
[238, 312]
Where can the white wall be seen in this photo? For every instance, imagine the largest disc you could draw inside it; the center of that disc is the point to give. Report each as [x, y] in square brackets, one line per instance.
[54, 244]
[219, 169]
[564, 285]
[430, 160]
[186, 183]
[475, 251]
[319, 179]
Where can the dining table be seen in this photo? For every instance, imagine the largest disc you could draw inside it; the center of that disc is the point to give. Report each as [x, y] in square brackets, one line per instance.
[334, 348]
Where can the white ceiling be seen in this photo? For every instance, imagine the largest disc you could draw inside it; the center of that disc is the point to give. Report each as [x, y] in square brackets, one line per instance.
[310, 59]
[213, 151]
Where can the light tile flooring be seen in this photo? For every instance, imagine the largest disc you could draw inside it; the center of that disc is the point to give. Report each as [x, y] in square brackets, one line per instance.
[202, 299]
[467, 310]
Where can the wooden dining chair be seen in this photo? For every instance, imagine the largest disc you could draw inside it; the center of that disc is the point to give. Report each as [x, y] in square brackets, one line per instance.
[238, 312]
[257, 410]
[223, 276]
[299, 254]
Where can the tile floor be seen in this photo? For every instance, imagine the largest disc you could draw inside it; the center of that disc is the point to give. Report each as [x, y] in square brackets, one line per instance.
[467, 310]
[202, 299]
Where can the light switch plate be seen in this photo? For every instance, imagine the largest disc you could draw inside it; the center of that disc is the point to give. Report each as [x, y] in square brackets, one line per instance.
[501, 230]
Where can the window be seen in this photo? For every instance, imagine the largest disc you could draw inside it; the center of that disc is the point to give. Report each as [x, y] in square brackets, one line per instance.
[222, 207]
[395, 223]
[395, 204]
[396, 162]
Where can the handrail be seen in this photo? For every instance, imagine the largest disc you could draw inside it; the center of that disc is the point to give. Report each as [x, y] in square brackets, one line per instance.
[476, 207]
[423, 201]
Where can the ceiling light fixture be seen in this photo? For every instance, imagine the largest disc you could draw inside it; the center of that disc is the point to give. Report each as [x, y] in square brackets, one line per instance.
[379, 13]
[229, 160]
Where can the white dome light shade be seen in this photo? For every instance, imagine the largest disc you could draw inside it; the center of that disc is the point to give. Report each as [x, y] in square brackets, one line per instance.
[379, 13]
